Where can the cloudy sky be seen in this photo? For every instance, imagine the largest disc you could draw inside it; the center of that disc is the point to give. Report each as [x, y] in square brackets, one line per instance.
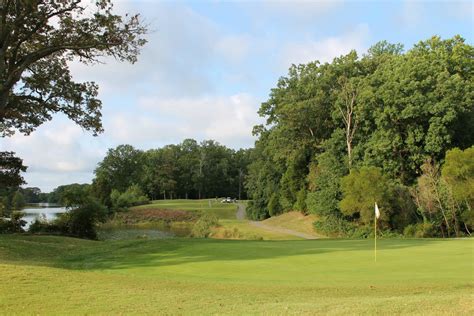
[209, 64]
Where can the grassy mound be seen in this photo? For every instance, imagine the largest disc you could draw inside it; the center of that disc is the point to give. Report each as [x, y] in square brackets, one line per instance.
[54, 275]
[210, 206]
[295, 221]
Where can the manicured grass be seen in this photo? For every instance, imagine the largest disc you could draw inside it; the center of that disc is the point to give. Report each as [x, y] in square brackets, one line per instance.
[55, 275]
[210, 206]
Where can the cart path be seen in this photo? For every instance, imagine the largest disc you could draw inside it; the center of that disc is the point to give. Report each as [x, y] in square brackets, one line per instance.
[240, 215]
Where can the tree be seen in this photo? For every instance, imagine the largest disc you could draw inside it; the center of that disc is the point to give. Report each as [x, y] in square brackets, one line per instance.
[361, 189]
[434, 200]
[121, 168]
[37, 41]
[18, 200]
[458, 173]
[419, 105]
[10, 168]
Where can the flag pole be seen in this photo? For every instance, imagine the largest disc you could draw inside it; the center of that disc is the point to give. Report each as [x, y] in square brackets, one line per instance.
[375, 237]
[377, 215]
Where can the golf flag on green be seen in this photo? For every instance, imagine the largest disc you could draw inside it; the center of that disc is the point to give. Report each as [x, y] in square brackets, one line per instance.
[377, 215]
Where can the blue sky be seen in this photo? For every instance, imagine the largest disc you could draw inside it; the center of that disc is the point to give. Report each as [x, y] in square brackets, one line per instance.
[209, 64]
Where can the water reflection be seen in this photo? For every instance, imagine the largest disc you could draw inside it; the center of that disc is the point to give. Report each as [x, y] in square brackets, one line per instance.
[45, 210]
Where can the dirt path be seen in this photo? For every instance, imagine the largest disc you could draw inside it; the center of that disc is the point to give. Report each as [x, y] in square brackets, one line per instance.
[240, 215]
[282, 230]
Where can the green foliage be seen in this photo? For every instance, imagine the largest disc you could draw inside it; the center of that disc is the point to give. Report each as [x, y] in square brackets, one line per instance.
[438, 204]
[334, 226]
[419, 105]
[361, 189]
[43, 37]
[121, 168]
[188, 170]
[327, 170]
[202, 227]
[458, 172]
[82, 220]
[14, 224]
[10, 171]
[18, 201]
[300, 204]
[274, 207]
[421, 230]
[257, 210]
[131, 197]
[386, 111]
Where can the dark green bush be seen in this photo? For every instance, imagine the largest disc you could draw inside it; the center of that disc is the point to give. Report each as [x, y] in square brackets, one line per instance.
[421, 230]
[256, 210]
[334, 226]
[14, 224]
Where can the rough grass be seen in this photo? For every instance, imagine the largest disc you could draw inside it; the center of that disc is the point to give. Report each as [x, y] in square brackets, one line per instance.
[210, 206]
[238, 229]
[295, 221]
[55, 275]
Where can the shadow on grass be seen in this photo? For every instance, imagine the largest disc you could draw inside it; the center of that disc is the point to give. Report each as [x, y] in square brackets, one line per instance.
[70, 253]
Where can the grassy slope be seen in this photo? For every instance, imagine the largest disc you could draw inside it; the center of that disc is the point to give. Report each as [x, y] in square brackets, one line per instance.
[294, 221]
[184, 276]
[247, 231]
[221, 210]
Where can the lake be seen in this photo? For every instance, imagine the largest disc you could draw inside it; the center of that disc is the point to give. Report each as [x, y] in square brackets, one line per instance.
[49, 211]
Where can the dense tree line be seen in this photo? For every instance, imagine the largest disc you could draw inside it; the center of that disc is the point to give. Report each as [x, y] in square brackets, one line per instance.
[187, 170]
[341, 135]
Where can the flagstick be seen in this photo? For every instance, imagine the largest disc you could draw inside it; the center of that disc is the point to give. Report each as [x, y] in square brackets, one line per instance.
[375, 236]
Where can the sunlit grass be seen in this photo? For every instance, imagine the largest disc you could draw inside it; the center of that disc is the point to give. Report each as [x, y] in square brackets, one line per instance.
[55, 275]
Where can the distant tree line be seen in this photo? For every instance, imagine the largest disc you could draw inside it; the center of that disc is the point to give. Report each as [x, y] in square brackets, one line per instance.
[391, 127]
[189, 170]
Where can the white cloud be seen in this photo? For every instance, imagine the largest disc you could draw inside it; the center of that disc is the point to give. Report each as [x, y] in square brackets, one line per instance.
[325, 49]
[227, 119]
[56, 150]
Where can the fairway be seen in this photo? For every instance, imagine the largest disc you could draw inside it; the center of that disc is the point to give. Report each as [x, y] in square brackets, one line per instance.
[55, 275]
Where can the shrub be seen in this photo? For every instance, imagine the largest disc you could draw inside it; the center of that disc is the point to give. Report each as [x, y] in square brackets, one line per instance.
[334, 226]
[202, 228]
[83, 219]
[421, 230]
[13, 225]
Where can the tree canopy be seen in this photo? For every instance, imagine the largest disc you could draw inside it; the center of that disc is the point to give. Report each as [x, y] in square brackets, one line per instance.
[38, 40]
[358, 129]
